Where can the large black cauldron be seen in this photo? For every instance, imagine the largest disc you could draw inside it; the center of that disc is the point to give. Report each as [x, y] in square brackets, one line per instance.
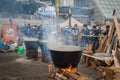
[64, 58]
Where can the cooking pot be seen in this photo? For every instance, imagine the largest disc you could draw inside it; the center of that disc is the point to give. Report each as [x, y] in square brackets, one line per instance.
[65, 56]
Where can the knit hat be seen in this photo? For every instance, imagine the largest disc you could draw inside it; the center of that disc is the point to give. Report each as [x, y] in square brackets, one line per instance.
[94, 27]
[84, 25]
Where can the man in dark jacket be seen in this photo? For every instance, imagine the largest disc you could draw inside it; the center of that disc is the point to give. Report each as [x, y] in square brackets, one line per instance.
[42, 36]
[85, 36]
[94, 38]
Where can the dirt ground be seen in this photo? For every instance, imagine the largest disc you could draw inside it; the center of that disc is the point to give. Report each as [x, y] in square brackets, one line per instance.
[18, 67]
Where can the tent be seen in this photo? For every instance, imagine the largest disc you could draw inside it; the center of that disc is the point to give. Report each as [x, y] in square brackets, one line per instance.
[73, 22]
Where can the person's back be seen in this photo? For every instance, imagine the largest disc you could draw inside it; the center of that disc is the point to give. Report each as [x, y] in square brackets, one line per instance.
[27, 31]
[34, 31]
[85, 33]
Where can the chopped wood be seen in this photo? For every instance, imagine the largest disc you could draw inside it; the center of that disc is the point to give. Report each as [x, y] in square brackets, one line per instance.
[109, 39]
[101, 44]
[87, 52]
[116, 61]
[51, 75]
[89, 47]
[108, 74]
[98, 57]
[61, 76]
[50, 68]
[116, 76]
[114, 53]
[112, 73]
[73, 76]
[117, 26]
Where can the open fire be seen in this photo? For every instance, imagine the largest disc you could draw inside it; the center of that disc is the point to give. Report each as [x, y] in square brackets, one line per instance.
[69, 69]
[65, 74]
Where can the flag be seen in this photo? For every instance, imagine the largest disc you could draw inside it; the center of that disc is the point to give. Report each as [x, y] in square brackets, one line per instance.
[56, 3]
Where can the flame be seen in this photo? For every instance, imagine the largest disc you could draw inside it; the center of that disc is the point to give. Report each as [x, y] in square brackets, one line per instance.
[69, 69]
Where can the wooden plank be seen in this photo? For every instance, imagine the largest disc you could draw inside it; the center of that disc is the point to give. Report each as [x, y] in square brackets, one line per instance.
[117, 26]
[99, 58]
[109, 39]
[116, 61]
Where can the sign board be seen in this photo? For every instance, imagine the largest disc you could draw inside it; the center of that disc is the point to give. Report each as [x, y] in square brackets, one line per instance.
[10, 32]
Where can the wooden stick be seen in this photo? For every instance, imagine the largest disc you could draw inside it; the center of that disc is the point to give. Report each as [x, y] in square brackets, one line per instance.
[114, 53]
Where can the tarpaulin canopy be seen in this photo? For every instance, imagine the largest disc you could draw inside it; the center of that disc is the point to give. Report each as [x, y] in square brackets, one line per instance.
[47, 11]
[73, 22]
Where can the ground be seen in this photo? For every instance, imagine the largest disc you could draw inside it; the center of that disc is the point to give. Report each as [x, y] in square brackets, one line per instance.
[18, 67]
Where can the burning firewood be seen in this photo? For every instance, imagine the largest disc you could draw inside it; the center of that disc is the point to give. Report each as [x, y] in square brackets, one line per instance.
[60, 76]
[73, 76]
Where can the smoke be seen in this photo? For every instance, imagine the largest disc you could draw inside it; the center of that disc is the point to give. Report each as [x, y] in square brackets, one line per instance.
[53, 41]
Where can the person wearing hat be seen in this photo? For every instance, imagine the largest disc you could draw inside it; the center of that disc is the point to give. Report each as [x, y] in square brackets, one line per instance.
[94, 38]
[84, 36]
[75, 32]
[84, 39]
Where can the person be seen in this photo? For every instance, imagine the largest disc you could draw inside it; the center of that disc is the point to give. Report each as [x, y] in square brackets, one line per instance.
[107, 30]
[34, 31]
[27, 30]
[31, 44]
[94, 39]
[41, 35]
[75, 32]
[85, 36]
[100, 31]
[66, 35]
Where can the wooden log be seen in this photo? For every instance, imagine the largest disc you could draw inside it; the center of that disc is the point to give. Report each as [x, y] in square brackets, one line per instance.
[116, 61]
[88, 52]
[116, 76]
[73, 76]
[108, 74]
[60, 76]
[101, 44]
[116, 72]
[114, 68]
[89, 47]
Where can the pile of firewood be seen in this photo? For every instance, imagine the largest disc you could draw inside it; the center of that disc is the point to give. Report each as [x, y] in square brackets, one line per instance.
[58, 74]
[112, 73]
[109, 73]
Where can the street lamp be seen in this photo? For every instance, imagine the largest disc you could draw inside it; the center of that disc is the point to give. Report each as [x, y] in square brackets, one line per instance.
[29, 12]
[70, 14]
